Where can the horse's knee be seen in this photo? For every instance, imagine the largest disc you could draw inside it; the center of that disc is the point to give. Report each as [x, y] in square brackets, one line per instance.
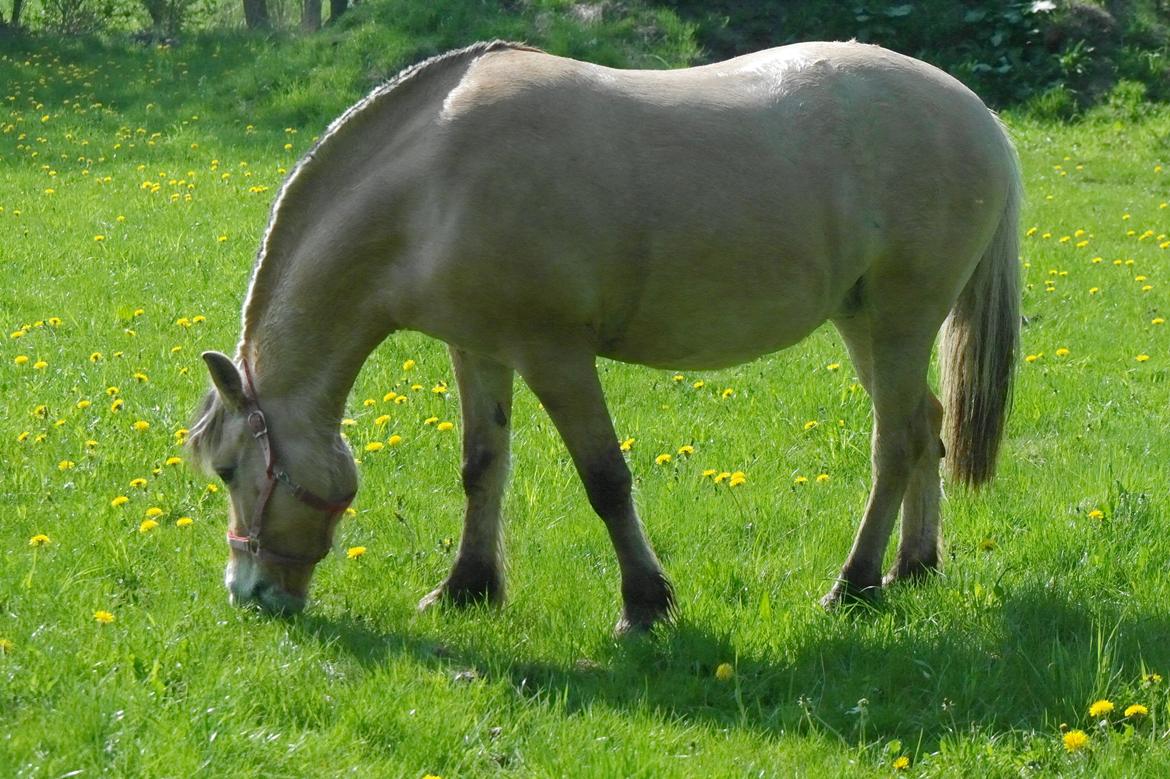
[476, 465]
[608, 485]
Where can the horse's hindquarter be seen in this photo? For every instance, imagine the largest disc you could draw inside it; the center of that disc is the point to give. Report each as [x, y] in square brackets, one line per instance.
[691, 218]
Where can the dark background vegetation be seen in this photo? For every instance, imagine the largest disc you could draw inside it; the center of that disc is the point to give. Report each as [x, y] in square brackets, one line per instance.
[1053, 57]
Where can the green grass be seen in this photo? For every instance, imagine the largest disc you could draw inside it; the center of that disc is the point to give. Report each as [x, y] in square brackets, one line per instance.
[1043, 609]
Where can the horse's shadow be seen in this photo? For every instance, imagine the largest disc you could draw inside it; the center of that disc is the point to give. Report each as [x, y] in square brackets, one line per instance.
[1028, 662]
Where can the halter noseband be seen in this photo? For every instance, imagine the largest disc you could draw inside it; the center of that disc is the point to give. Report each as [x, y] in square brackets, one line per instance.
[250, 542]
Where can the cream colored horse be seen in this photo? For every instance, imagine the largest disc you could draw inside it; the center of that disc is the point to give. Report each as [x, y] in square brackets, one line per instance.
[535, 213]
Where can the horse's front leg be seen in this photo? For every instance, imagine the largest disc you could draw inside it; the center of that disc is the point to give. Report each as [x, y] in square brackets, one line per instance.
[568, 387]
[485, 394]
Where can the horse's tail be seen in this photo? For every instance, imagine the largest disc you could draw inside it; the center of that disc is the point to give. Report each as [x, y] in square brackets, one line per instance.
[978, 352]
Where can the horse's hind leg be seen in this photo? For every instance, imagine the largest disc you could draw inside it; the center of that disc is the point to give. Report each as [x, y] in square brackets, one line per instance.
[919, 548]
[893, 368]
[485, 394]
[571, 393]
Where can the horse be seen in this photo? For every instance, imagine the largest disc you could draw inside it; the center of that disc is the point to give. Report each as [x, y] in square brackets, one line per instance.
[536, 213]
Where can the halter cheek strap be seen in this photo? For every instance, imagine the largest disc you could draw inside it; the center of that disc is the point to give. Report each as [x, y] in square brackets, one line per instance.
[250, 542]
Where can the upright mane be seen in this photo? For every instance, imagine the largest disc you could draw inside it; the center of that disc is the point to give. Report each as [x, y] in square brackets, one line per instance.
[264, 274]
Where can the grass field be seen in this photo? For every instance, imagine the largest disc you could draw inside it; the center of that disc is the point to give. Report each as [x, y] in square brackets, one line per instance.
[131, 206]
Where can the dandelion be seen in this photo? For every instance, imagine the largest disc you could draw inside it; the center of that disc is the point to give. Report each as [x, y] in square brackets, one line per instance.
[184, 522]
[211, 488]
[112, 391]
[394, 440]
[1094, 290]
[84, 404]
[443, 427]
[1142, 358]
[154, 511]
[662, 459]
[147, 525]
[833, 366]
[1101, 708]
[627, 444]
[724, 672]
[121, 500]
[398, 401]
[65, 465]
[40, 539]
[800, 481]
[382, 420]
[822, 478]
[430, 420]
[1096, 514]
[389, 397]
[1075, 740]
[439, 389]
[354, 552]
[1033, 357]
[23, 436]
[677, 378]
[1062, 352]
[99, 238]
[41, 411]
[1157, 321]
[91, 444]
[374, 446]
[408, 365]
[117, 404]
[722, 476]
[138, 483]
[141, 426]
[1136, 711]
[141, 378]
[21, 359]
[809, 425]
[181, 435]
[727, 393]
[901, 763]
[6, 646]
[709, 472]
[173, 461]
[686, 449]
[737, 479]
[1151, 679]
[104, 617]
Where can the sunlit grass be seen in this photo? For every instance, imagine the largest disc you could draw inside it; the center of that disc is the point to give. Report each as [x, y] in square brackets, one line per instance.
[127, 233]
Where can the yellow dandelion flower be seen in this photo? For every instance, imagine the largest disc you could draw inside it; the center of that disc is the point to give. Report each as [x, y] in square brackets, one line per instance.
[415, 387]
[1062, 352]
[722, 476]
[686, 449]
[173, 460]
[84, 404]
[409, 364]
[121, 500]
[398, 401]
[822, 478]
[1142, 358]
[212, 488]
[153, 512]
[147, 525]
[141, 378]
[382, 420]
[389, 397]
[41, 411]
[662, 459]
[91, 444]
[374, 446]
[439, 389]
[627, 444]
[1136, 711]
[23, 436]
[394, 440]
[800, 481]
[347, 422]
[724, 672]
[430, 420]
[1075, 740]
[112, 391]
[40, 539]
[354, 552]
[1094, 290]
[1033, 357]
[141, 426]
[445, 426]
[369, 402]
[1096, 514]
[1101, 708]
[103, 616]
[65, 465]
[833, 366]
[809, 425]
[184, 522]
[21, 359]
[138, 483]
[737, 479]
[727, 393]
[99, 238]
[1157, 321]
[117, 404]
[677, 378]
[709, 472]
[699, 384]
[6, 646]
[901, 763]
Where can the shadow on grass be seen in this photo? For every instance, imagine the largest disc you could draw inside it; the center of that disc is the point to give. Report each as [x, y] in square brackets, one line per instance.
[1028, 663]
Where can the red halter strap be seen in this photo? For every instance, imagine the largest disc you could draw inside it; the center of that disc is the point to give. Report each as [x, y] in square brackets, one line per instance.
[250, 542]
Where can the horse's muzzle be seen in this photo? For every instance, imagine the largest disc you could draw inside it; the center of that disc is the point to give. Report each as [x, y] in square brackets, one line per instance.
[267, 597]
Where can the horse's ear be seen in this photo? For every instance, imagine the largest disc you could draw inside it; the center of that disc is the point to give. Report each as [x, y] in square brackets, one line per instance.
[226, 378]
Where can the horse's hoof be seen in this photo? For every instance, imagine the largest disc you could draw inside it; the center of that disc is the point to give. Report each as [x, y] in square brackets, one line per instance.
[649, 605]
[461, 591]
[846, 593]
[638, 624]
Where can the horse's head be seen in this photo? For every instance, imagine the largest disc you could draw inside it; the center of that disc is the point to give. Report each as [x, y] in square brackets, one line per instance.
[288, 484]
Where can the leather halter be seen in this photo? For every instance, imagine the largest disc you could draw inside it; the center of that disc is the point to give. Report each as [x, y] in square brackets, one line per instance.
[250, 542]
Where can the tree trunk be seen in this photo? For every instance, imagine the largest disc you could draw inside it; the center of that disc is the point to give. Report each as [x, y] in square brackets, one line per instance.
[256, 14]
[17, 6]
[336, 9]
[311, 15]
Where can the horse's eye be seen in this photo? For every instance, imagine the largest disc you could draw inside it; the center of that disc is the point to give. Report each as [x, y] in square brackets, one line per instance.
[227, 474]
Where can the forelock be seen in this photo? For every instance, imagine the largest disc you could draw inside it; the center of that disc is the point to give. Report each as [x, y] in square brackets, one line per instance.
[206, 432]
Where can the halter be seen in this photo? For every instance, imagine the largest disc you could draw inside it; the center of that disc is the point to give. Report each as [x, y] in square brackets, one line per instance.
[250, 542]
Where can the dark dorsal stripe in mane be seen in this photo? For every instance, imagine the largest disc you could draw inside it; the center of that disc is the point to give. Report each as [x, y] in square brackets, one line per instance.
[262, 273]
